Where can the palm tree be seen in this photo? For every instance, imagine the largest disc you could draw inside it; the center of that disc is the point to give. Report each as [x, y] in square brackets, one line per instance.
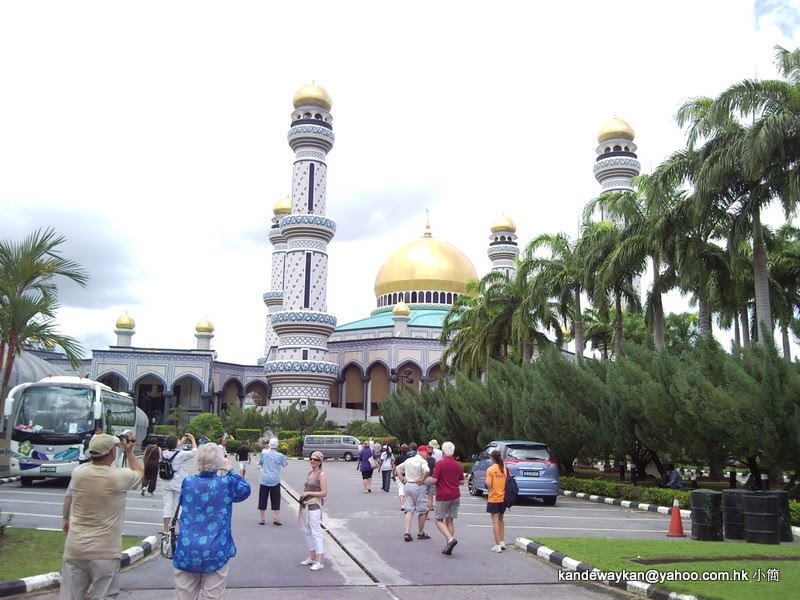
[764, 156]
[599, 329]
[560, 276]
[784, 271]
[28, 298]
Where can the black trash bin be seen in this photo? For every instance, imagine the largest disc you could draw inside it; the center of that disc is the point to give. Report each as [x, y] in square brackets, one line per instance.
[707, 515]
[761, 519]
[784, 516]
[733, 513]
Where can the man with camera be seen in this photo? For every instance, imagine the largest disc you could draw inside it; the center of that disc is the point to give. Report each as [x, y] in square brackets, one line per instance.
[94, 530]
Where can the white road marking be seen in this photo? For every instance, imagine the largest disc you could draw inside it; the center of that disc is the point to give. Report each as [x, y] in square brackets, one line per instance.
[21, 514]
[575, 528]
[507, 515]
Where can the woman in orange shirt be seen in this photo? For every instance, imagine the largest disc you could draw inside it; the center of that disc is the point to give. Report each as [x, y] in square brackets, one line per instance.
[496, 476]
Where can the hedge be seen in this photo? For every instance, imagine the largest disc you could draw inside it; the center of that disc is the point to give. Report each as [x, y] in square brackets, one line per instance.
[288, 433]
[249, 435]
[290, 446]
[164, 429]
[650, 495]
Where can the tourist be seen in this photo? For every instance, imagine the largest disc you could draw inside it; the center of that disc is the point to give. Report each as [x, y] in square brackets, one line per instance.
[400, 487]
[171, 488]
[152, 454]
[413, 472]
[496, 476]
[271, 462]
[671, 479]
[243, 456]
[205, 544]
[311, 502]
[436, 452]
[387, 467]
[448, 476]
[430, 487]
[365, 464]
[94, 528]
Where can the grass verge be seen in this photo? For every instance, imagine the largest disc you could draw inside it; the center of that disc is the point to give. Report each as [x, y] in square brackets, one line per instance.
[695, 557]
[28, 552]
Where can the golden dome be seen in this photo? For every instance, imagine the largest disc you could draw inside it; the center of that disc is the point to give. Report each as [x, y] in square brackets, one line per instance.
[312, 95]
[283, 206]
[204, 326]
[615, 128]
[503, 223]
[425, 264]
[401, 309]
[125, 322]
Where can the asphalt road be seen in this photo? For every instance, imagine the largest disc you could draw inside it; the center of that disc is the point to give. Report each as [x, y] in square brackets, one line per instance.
[366, 556]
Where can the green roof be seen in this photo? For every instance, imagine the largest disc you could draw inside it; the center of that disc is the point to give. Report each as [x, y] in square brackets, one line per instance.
[422, 317]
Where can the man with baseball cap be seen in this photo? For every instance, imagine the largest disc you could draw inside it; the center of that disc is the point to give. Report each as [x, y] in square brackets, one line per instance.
[94, 532]
[412, 473]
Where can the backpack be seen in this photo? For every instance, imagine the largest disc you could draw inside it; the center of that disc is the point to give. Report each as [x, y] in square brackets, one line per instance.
[165, 470]
[512, 490]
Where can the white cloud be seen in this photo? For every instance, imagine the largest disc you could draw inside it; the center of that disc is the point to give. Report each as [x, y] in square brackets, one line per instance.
[153, 134]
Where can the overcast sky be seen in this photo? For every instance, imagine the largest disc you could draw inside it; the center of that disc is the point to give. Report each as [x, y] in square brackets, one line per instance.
[153, 134]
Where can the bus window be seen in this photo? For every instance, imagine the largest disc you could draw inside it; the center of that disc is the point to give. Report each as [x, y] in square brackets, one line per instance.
[119, 410]
[55, 410]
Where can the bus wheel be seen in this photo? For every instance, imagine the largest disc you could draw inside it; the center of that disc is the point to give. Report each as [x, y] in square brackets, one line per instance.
[26, 480]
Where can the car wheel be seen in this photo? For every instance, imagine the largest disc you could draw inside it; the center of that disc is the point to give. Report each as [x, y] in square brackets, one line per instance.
[26, 481]
[471, 485]
[348, 456]
[549, 500]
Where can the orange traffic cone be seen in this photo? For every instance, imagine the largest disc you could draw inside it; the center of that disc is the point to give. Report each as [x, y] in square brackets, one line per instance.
[675, 524]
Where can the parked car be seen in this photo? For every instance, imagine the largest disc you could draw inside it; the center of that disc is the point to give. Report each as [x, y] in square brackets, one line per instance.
[531, 463]
[332, 446]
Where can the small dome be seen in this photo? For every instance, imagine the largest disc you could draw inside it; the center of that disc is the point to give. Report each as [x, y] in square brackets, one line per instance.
[283, 206]
[503, 223]
[425, 264]
[312, 95]
[615, 129]
[204, 326]
[125, 322]
[401, 309]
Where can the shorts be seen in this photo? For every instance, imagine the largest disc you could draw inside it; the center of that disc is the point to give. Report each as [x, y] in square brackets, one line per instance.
[430, 487]
[367, 474]
[243, 465]
[446, 509]
[271, 493]
[496, 507]
[401, 488]
[416, 498]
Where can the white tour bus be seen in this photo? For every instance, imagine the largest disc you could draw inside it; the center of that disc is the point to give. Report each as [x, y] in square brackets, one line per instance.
[46, 423]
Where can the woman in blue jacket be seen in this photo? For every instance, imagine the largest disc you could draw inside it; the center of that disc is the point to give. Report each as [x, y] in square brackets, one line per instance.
[205, 543]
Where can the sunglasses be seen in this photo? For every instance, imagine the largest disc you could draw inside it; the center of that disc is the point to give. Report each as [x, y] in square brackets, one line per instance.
[316, 460]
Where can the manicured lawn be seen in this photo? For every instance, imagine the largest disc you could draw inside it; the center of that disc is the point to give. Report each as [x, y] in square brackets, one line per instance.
[29, 552]
[619, 555]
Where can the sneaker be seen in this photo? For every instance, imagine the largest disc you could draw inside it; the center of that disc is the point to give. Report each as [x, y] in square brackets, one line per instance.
[307, 562]
[317, 566]
[503, 545]
[497, 548]
[143, 492]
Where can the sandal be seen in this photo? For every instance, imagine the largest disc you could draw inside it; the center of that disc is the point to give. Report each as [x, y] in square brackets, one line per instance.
[407, 537]
[423, 536]
[277, 523]
[261, 522]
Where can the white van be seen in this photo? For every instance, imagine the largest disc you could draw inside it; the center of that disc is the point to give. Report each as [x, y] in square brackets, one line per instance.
[332, 446]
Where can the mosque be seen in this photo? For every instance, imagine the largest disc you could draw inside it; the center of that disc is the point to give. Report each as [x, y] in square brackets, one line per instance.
[347, 369]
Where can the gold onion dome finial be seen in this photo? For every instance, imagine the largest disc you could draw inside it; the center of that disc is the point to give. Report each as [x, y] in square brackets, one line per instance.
[426, 263]
[504, 223]
[615, 129]
[125, 322]
[401, 309]
[283, 206]
[312, 95]
[204, 326]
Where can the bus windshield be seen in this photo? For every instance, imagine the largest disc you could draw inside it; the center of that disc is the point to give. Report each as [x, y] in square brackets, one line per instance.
[55, 410]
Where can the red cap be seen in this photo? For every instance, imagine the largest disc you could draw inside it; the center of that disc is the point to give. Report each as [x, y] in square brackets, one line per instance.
[423, 448]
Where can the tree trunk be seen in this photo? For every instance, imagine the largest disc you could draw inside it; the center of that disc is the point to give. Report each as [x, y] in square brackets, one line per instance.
[745, 319]
[577, 326]
[618, 323]
[737, 338]
[658, 308]
[703, 318]
[526, 352]
[755, 473]
[787, 350]
[763, 310]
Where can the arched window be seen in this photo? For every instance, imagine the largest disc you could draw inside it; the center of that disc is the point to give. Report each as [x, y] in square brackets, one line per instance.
[626, 149]
[436, 297]
[606, 150]
[413, 297]
[408, 298]
[428, 297]
[394, 298]
[449, 298]
[617, 148]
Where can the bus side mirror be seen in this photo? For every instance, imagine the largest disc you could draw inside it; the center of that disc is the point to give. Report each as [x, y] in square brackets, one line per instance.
[8, 409]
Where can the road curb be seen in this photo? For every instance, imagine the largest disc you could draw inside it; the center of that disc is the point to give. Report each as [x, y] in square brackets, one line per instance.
[37, 583]
[645, 590]
[9, 479]
[664, 510]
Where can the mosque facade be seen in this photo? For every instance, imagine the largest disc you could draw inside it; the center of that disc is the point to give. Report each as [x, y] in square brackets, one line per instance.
[347, 369]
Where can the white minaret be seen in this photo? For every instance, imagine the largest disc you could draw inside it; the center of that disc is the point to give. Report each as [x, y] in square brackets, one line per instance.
[300, 370]
[125, 328]
[204, 332]
[503, 250]
[274, 298]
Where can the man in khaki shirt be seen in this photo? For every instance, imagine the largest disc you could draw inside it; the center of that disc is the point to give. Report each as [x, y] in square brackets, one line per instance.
[91, 552]
[412, 473]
